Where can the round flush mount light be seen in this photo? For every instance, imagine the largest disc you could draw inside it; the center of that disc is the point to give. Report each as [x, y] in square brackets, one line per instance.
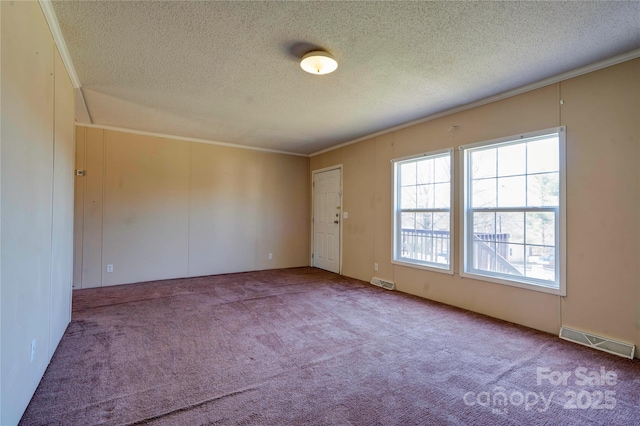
[318, 62]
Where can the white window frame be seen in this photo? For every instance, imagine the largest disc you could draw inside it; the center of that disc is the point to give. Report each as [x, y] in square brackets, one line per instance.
[560, 231]
[396, 231]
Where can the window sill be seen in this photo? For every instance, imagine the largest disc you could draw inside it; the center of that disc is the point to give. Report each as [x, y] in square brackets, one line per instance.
[535, 287]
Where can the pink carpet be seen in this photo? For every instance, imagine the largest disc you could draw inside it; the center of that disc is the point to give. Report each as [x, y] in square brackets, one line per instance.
[304, 346]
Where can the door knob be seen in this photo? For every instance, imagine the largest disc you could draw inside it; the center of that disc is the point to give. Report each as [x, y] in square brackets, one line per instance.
[335, 221]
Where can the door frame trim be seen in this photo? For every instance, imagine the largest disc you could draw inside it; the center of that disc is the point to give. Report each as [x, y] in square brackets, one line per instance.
[313, 173]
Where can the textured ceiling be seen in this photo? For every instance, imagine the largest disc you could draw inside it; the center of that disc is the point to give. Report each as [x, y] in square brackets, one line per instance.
[229, 71]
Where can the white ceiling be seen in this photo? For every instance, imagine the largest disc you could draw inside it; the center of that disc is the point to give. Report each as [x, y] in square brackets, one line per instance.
[229, 71]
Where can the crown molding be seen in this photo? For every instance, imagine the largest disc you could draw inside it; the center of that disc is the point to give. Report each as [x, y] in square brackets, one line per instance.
[54, 26]
[187, 139]
[633, 54]
[82, 112]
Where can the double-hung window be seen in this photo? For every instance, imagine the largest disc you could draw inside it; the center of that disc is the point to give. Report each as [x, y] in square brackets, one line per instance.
[422, 211]
[513, 210]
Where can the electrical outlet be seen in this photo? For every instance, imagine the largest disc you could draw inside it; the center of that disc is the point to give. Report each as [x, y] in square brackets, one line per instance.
[109, 268]
[33, 349]
[375, 266]
[270, 256]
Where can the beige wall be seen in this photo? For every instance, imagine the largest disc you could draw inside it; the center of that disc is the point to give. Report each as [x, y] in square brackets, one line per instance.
[602, 113]
[36, 151]
[158, 208]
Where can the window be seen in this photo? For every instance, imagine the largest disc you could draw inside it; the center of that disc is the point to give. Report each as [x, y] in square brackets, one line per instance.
[513, 215]
[422, 211]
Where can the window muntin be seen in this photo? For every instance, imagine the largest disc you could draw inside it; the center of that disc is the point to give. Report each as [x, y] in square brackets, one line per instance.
[513, 210]
[422, 211]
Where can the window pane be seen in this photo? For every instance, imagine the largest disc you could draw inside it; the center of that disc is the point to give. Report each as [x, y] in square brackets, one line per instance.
[424, 221]
[421, 243]
[512, 191]
[494, 257]
[407, 174]
[515, 256]
[425, 171]
[443, 169]
[410, 244]
[441, 222]
[484, 226]
[484, 255]
[512, 225]
[483, 163]
[425, 196]
[542, 155]
[541, 228]
[543, 190]
[408, 197]
[441, 238]
[408, 221]
[512, 160]
[442, 249]
[541, 263]
[442, 195]
[483, 193]
[506, 257]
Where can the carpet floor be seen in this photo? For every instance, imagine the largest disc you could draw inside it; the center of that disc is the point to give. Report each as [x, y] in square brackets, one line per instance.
[304, 346]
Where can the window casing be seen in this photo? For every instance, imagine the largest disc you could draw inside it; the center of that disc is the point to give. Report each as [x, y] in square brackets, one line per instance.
[513, 213]
[423, 225]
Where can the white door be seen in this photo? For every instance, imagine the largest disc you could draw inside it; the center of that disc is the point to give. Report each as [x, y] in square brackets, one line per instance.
[326, 220]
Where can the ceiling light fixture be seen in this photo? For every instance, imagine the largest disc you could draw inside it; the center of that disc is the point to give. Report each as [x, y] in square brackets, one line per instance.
[318, 62]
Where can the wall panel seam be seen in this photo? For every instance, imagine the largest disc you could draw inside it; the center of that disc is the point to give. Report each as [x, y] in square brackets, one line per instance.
[84, 200]
[189, 214]
[53, 189]
[376, 214]
[104, 179]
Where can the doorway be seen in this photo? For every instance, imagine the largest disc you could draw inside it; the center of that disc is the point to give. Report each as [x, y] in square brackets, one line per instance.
[327, 217]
